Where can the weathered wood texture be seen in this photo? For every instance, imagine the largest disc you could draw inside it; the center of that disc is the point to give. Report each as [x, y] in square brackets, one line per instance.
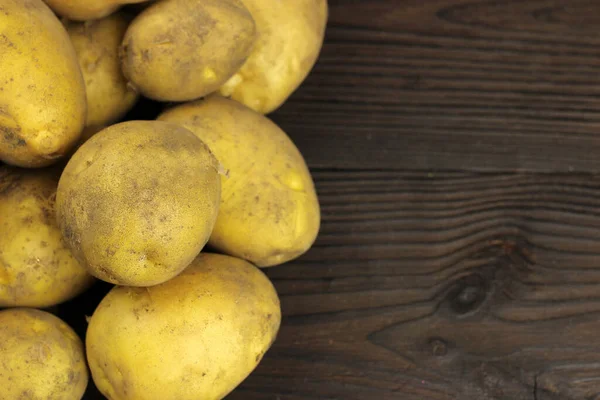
[449, 286]
[454, 84]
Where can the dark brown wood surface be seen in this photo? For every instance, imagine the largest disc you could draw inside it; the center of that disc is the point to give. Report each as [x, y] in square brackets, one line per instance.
[442, 286]
[454, 84]
[454, 145]
[459, 256]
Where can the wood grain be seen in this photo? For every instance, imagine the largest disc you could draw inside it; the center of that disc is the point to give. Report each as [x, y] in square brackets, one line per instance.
[442, 286]
[480, 85]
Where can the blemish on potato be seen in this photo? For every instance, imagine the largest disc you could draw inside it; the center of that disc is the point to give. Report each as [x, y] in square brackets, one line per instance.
[5, 278]
[4, 40]
[209, 74]
[10, 135]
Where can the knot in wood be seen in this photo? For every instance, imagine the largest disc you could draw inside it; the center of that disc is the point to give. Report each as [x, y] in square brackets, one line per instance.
[468, 294]
[439, 348]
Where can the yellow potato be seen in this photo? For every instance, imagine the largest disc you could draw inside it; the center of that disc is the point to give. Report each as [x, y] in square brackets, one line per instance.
[42, 357]
[97, 45]
[178, 50]
[269, 210]
[289, 38]
[194, 337]
[137, 202]
[84, 10]
[36, 267]
[42, 101]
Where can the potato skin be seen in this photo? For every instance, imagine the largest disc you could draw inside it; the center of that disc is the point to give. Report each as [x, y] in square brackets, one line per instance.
[269, 210]
[196, 336]
[42, 357]
[43, 105]
[36, 267]
[97, 46]
[178, 50]
[289, 38]
[137, 202]
[85, 10]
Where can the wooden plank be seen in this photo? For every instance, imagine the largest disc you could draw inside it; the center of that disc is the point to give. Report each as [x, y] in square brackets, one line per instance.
[445, 286]
[453, 85]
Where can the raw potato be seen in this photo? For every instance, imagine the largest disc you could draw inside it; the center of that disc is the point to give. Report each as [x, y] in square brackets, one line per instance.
[36, 267]
[194, 337]
[137, 202]
[42, 357]
[289, 38]
[179, 50]
[42, 106]
[83, 10]
[97, 45]
[269, 210]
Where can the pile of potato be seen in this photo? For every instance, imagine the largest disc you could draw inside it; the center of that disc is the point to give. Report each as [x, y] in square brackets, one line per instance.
[85, 195]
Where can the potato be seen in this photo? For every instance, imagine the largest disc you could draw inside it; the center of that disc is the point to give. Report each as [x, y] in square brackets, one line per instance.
[42, 106]
[179, 50]
[194, 337]
[42, 357]
[137, 202]
[269, 210]
[97, 45]
[289, 38]
[83, 10]
[36, 267]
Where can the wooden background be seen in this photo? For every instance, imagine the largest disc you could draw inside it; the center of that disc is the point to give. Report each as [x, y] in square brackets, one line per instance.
[454, 145]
